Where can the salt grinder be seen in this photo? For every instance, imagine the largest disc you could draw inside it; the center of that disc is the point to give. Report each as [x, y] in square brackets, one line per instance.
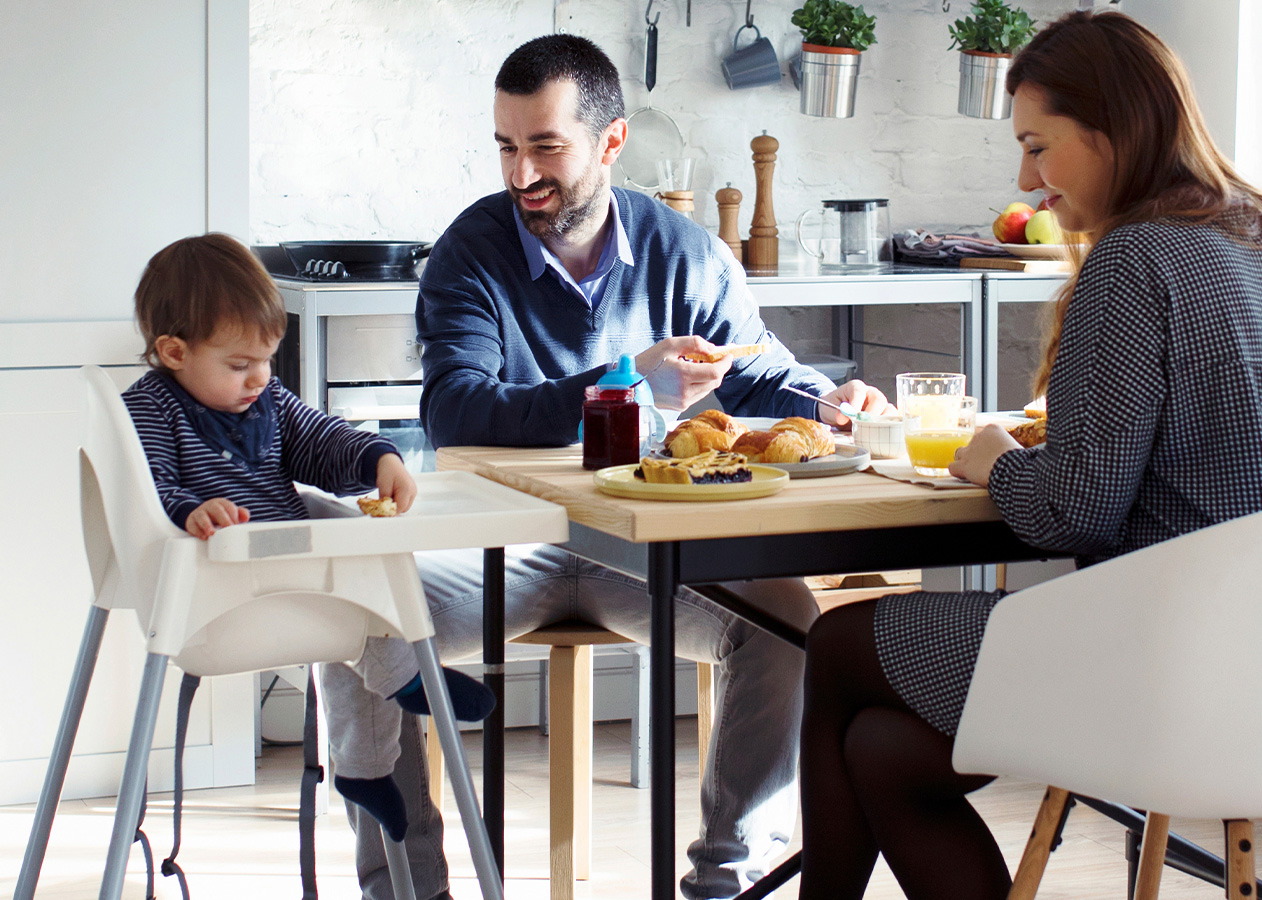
[729, 201]
[764, 243]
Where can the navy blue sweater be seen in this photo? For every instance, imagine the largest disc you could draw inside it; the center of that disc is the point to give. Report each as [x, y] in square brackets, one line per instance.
[506, 358]
[312, 449]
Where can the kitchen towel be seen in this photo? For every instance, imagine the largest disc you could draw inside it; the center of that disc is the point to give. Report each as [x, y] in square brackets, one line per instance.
[925, 248]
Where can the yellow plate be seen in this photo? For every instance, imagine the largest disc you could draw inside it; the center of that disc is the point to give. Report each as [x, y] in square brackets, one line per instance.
[621, 482]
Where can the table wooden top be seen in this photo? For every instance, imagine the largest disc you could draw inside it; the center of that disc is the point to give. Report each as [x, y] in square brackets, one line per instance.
[857, 501]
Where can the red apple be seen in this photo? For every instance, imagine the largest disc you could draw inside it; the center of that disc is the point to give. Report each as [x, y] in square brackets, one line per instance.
[1009, 228]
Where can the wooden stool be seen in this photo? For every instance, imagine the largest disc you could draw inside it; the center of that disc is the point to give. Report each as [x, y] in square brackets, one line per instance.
[570, 678]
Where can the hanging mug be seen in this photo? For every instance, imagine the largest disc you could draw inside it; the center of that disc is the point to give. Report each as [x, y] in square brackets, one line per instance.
[752, 65]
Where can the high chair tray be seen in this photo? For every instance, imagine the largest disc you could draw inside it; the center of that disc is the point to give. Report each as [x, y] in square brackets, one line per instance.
[453, 510]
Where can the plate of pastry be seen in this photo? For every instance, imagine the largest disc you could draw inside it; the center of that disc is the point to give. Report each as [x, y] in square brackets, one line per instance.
[713, 475]
[801, 447]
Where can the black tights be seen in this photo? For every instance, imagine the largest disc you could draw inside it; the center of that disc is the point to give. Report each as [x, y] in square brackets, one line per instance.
[876, 778]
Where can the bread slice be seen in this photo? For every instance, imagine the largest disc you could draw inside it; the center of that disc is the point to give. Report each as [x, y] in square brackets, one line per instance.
[378, 509]
[728, 350]
[1037, 408]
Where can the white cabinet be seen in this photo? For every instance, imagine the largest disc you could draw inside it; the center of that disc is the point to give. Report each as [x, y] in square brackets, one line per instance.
[126, 126]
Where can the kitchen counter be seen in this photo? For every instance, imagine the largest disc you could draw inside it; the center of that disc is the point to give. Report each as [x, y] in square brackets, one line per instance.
[797, 282]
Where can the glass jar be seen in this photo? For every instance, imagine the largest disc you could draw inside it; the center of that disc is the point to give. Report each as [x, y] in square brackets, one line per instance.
[611, 427]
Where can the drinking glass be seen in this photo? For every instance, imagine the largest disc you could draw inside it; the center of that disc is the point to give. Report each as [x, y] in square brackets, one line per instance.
[936, 420]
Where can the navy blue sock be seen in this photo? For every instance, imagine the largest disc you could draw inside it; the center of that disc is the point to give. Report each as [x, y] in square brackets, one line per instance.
[381, 798]
[470, 698]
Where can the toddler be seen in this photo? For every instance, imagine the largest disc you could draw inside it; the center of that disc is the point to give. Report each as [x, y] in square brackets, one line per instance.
[226, 442]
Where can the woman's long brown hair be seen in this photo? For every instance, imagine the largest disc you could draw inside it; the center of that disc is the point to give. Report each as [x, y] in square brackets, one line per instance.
[1114, 76]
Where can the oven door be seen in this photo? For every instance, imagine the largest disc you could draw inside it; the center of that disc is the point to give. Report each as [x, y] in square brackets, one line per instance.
[390, 410]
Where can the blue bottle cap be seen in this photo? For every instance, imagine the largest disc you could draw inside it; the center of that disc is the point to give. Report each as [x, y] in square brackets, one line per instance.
[623, 376]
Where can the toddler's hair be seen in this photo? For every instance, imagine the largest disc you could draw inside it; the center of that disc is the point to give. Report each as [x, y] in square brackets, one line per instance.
[198, 284]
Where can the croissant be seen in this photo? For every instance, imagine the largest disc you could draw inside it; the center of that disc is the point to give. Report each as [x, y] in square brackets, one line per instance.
[772, 447]
[815, 435]
[708, 430]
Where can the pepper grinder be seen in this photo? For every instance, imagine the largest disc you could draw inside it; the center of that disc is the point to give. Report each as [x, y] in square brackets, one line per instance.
[729, 201]
[764, 243]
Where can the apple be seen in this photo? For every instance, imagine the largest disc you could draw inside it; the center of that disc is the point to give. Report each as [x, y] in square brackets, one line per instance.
[1009, 228]
[1042, 228]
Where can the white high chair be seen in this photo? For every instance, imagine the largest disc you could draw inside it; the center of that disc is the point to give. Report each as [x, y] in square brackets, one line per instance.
[262, 596]
[1134, 681]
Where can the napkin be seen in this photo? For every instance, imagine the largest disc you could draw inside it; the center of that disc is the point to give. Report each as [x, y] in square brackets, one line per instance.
[921, 246]
[900, 470]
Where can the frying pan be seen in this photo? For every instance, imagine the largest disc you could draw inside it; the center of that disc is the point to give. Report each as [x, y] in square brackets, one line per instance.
[651, 133]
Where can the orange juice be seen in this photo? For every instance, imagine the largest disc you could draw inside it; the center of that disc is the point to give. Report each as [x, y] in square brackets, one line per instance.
[935, 449]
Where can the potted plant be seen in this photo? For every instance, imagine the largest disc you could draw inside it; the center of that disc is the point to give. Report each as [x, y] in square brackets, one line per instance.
[987, 39]
[834, 33]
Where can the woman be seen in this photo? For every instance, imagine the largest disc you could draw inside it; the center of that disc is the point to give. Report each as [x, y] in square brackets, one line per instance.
[1163, 315]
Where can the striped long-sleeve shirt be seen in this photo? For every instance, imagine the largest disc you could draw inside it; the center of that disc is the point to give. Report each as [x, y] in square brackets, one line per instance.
[310, 448]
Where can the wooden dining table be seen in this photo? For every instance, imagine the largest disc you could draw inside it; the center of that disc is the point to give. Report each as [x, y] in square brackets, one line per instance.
[857, 522]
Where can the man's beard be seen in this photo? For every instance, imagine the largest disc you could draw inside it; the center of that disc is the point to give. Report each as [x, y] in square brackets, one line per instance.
[579, 202]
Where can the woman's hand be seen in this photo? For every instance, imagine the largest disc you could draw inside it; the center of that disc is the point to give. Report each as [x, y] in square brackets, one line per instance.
[214, 514]
[395, 481]
[974, 462]
[862, 396]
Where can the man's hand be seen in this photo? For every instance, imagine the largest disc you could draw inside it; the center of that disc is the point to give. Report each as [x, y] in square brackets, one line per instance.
[974, 462]
[859, 395]
[678, 383]
[394, 481]
[214, 514]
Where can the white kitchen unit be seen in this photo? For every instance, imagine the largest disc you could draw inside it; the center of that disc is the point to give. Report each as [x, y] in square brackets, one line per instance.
[126, 127]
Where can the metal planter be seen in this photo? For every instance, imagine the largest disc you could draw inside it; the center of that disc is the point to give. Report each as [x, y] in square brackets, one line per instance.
[982, 91]
[829, 77]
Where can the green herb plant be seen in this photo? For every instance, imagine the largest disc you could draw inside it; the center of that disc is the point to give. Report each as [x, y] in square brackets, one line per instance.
[835, 23]
[994, 27]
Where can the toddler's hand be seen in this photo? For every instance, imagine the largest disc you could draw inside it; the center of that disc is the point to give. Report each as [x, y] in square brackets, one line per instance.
[394, 481]
[218, 513]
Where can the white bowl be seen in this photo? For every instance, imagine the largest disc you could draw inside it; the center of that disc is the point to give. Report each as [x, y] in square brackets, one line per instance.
[881, 436]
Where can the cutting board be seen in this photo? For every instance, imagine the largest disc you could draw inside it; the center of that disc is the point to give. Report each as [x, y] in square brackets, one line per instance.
[1011, 264]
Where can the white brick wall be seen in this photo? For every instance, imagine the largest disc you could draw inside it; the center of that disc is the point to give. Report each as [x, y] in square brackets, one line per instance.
[372, 118]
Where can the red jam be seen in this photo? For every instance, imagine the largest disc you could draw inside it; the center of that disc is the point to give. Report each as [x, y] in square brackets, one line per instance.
[611, 427]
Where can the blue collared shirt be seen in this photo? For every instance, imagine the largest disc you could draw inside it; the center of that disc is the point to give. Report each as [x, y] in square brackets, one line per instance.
[591, 288]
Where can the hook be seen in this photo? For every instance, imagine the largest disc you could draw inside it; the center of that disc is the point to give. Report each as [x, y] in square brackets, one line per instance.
[651, 23]
[946, 5]
[749, 19]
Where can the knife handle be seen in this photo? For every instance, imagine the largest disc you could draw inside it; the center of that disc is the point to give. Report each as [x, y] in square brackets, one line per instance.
[650, 58]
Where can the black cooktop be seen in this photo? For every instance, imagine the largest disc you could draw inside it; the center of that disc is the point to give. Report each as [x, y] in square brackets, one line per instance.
[344, 261]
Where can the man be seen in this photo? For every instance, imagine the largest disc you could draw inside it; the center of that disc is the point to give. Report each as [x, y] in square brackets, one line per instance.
[527, 299]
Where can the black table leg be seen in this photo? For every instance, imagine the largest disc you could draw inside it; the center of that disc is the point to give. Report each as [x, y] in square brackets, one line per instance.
[663, 580]
[493, 677]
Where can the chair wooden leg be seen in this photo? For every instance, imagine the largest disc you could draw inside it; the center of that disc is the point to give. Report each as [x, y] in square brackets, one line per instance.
[434, 764]
[1240, 870]
[705, 711]
[1039, 846]
[570, 766]
[1152, 856]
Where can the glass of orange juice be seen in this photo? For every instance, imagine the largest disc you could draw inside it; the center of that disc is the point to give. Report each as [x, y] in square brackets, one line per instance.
[937, 418]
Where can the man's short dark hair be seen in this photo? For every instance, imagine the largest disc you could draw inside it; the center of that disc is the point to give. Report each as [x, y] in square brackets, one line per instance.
[567, 57]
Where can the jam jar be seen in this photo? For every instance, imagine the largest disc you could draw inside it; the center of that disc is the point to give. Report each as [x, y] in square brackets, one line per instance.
[611, 426]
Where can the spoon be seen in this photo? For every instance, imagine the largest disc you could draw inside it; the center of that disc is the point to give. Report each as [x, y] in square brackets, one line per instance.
[844, 408]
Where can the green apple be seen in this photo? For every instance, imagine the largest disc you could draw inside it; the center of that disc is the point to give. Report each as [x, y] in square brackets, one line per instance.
[1009, 227]
[1042, 228]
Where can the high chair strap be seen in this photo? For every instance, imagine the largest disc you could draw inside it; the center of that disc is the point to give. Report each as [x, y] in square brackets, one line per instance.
[312, 774]
[188, 687]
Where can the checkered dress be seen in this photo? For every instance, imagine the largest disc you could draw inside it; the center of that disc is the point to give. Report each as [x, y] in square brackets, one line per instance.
[1154, 430]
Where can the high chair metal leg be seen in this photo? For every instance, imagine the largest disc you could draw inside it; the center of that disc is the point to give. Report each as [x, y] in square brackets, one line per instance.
[59, 760]
[400, 872]
[458, 770]
[132, 790]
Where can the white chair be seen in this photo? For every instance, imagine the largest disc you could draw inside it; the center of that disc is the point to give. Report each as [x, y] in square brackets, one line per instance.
[255, 596]
[1136, 681]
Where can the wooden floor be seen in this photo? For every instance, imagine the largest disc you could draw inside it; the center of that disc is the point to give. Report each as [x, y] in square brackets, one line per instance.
[242, 843]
